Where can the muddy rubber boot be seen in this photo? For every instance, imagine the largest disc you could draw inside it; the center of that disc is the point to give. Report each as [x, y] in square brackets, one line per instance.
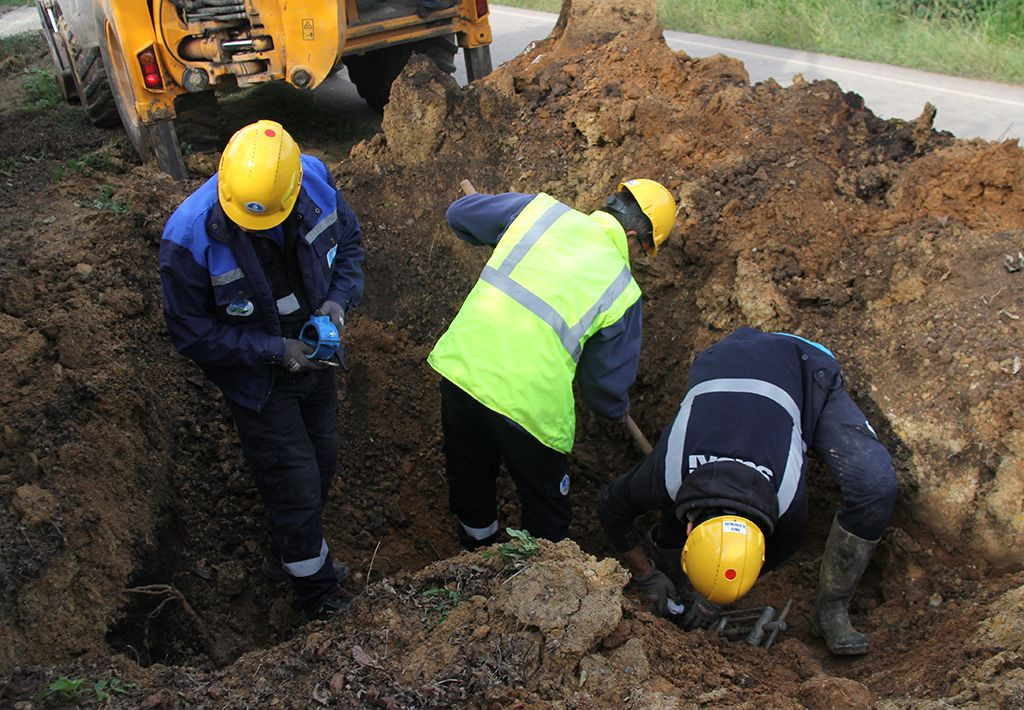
[846, 556]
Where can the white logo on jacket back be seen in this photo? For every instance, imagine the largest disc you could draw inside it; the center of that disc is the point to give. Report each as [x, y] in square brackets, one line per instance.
[697, 460]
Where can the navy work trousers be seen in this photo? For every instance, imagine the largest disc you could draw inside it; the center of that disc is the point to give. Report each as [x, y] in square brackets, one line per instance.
[291, 449]
[476, 441]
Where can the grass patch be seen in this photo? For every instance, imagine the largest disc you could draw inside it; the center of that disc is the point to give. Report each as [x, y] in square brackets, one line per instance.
[17, 51]
[15, 3]
[983, 39]
[84, 165]
[41, 90]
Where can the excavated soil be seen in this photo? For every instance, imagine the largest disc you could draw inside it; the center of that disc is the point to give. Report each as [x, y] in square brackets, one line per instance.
[130, 534]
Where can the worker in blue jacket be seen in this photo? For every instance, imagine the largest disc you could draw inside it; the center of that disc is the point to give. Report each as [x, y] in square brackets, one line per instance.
[729, 477]
[244, 261]
[555, 302]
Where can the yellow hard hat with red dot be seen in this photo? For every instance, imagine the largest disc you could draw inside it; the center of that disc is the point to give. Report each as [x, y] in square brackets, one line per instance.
[259, 176]
[723, 557]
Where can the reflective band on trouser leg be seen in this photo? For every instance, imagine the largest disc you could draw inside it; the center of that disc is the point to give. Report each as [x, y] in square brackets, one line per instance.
[307, 568]
[480, 533]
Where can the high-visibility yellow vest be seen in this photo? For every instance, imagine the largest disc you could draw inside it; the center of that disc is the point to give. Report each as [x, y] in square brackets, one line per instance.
[556, 277]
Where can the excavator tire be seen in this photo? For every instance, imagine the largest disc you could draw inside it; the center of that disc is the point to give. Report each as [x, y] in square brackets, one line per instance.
[197, 122]
[92, 86]
[60, 56]
[374, 72]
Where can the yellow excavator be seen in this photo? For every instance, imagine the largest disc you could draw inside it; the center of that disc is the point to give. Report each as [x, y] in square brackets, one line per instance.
[143, 62]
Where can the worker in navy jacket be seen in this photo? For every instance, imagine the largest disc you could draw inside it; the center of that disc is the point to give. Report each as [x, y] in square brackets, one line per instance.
[244, 261]
[729, 476]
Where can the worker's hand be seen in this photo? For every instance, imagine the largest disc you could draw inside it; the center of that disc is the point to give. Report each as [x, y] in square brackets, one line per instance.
[295, 360]
[700, 614]
[335, 311]
[657, 589]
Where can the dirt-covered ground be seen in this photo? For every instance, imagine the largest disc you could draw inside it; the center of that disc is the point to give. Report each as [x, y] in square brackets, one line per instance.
[130, 534]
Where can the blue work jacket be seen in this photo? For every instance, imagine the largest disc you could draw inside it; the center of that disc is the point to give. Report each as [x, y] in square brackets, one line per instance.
[218, 304]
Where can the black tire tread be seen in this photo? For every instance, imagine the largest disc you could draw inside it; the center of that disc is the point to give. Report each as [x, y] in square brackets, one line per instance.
[93, 87]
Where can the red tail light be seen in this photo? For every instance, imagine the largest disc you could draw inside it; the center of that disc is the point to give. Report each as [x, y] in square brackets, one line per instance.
[481, 8]
[150, 69]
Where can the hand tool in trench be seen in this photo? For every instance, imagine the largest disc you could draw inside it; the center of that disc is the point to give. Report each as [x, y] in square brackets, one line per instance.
[638, 436]
[757, 626]
[320, 333]
[467, 187]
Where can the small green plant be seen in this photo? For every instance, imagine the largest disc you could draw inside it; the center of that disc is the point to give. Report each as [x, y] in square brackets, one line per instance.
[41, 90]
[445, 600]
[66, 688]
[84, 165]
[82, 691]
[521, 547]
[104, 689]
[106, 201]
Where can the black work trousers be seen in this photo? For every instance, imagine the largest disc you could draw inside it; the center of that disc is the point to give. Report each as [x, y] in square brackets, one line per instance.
[291, 449]
[476, 441]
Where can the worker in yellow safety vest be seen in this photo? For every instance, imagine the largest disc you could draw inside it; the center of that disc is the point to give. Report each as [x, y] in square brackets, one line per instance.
[556, 298]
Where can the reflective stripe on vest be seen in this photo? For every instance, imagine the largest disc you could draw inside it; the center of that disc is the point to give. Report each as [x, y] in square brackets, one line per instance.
[555, 278]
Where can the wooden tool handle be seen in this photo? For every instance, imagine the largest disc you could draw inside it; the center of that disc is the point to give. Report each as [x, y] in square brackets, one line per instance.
[467, 187]
[638, 436]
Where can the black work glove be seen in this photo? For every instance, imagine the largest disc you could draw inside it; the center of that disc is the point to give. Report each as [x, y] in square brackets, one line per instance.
[295, 360]
[335, 311]
[658, 590]
[700, 614]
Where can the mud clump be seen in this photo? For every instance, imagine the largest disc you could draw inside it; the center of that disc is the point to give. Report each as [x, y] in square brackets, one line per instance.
[132, 535]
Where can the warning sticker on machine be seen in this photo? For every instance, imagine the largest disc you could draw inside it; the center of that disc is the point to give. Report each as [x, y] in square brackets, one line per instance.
[307, 29]
[734, 527]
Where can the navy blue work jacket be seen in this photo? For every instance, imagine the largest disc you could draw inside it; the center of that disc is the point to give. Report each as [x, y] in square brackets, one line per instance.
[218, 304]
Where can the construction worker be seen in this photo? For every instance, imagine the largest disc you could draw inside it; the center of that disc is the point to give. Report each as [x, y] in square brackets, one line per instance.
[728, 476]
[556, 296]
[244, 261]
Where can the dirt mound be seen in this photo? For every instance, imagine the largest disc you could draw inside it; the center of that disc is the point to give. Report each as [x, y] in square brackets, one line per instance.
[129, 526]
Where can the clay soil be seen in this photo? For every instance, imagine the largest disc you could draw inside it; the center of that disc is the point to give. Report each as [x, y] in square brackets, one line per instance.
[131, 536]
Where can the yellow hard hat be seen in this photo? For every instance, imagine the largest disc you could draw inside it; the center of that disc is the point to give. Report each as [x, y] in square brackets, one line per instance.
[657, 203]
[259, 176]
[722, 557]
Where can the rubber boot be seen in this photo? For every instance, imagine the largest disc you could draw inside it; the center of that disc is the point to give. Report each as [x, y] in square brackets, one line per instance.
[846, 556]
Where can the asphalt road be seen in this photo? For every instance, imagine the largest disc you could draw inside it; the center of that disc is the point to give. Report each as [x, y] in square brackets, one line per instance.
[966, 107]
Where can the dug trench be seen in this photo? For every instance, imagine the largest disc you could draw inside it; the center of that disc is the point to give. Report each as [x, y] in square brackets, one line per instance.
[132, 535]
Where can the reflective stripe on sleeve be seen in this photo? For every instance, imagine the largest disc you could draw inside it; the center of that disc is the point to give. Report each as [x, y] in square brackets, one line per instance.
[226, 278]
[288, 304]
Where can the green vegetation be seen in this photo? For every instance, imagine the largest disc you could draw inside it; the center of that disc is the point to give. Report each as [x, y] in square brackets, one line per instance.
[520, 548]
[81, 691]
[445, 600]
[83, 165]
[15, 3]
[982, 39]
[41, 90]
[16, 51]
[106, 201]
